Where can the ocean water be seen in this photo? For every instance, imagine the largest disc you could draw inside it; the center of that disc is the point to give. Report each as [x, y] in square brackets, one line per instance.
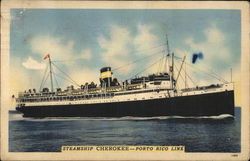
[199, 134]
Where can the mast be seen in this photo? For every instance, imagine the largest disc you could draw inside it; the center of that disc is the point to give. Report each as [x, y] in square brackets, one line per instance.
[231, 74]
[171, 66]
[185, 74]
[50, 71]
[172, 72]
[51, 79]
[168, 50]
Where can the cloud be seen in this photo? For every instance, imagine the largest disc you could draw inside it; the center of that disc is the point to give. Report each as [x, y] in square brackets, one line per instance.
[116, 48]
[19, 80]
[86, 54]
[218, 59]
[180, 52]
[30, 63]
[214, 35]
[45, 44]
[145, 39]
[58, 48]
[22, 80]
[85, 74]
[119, 40]
[214, 47]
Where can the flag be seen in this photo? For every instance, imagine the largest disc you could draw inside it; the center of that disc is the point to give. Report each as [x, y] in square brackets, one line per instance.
[47, 56]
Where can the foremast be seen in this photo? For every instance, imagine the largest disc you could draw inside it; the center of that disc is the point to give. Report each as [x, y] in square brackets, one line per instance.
[50, 71]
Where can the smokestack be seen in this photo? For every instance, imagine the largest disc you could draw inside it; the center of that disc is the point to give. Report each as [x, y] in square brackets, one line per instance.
[105, 76]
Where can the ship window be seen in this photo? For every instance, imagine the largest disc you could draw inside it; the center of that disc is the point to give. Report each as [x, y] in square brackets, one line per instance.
[157, 83]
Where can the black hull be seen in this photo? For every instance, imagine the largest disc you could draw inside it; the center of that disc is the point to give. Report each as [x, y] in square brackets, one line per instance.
[212, 104]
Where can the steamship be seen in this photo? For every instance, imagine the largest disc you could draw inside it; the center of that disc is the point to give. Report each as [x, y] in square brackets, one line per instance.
[144, 96]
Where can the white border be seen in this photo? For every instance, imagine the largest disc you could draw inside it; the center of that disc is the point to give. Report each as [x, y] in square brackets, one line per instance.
[5, 21]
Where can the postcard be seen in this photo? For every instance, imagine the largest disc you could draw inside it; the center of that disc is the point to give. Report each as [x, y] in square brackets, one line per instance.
[124, 80]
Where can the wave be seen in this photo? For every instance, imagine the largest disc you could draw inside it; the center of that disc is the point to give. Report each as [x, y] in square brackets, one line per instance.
[126, 118]
[222, 116]
[15, 116]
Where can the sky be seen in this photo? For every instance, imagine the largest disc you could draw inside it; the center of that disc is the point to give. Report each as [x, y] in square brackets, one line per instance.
[81, 41]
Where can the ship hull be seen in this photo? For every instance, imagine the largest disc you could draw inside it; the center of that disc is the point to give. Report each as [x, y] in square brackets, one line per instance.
[212, 104]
